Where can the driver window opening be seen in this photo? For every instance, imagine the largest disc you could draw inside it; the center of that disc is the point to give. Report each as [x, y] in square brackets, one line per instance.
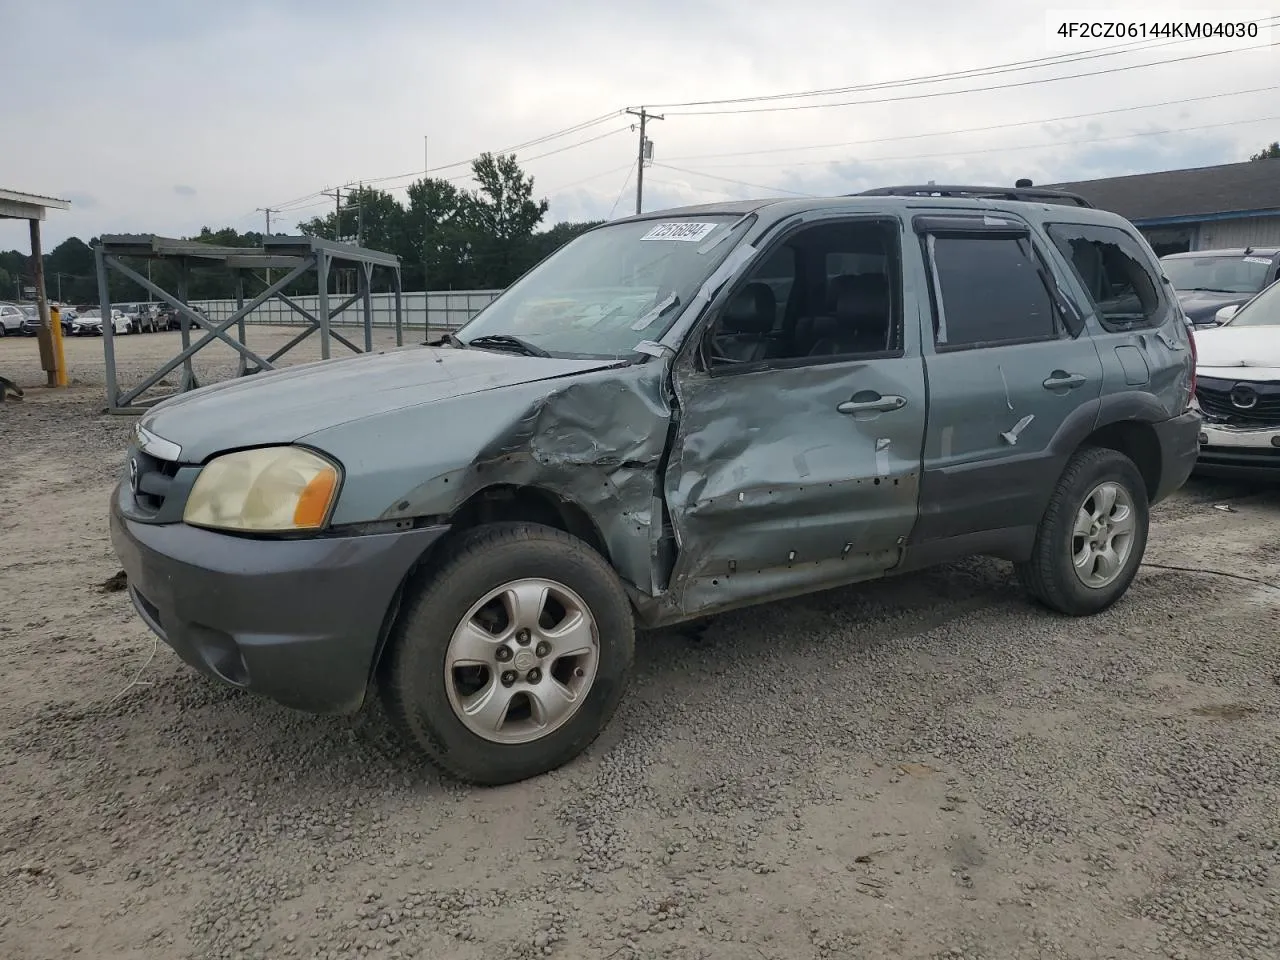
[831, 291]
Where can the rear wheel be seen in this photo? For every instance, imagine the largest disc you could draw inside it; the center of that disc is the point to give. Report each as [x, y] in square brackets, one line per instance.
[1092, 537]
[511, 656]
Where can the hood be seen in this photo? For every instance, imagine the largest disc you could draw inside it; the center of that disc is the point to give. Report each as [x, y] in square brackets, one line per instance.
[282, 406]
[1201, 305]
[1239, 353]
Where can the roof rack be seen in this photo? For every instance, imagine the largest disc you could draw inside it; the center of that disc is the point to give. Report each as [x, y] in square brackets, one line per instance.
[994, 193]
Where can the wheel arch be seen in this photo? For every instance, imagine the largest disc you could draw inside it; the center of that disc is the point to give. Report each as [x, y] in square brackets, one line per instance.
[496, 503]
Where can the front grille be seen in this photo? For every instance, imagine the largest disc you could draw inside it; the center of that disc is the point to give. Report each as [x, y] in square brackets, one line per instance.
[1227, 401]
[154, 479]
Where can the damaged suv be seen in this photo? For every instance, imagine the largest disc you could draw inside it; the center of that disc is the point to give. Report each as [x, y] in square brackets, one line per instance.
[675, 414]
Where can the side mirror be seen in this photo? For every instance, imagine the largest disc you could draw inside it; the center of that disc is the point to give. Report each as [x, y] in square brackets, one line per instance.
[1226, 313]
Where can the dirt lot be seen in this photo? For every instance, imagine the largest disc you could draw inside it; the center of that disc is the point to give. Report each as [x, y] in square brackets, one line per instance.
[929, 767]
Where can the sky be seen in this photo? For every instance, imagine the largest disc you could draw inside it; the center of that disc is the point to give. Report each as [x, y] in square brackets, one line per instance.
[163, 116]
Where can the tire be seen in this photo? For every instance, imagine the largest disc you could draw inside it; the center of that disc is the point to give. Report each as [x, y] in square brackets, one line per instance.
[418, 691]
[1050, 575]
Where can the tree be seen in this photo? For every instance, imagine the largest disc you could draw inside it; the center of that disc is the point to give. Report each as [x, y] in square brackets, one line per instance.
[1268, 153]
[437, 236]
[503, 216]
[547, 242]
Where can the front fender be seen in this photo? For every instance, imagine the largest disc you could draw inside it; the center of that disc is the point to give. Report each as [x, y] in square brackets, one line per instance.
[597, 439]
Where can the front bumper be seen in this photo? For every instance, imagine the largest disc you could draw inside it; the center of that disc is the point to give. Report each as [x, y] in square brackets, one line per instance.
[1239, 452]
[1179, 444]
[296, 621]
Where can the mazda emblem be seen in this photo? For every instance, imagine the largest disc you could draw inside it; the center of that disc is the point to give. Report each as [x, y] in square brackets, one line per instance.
[1244, 397]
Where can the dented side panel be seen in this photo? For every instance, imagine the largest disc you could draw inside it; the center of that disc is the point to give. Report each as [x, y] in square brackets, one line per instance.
[595, 440]
[774, 491]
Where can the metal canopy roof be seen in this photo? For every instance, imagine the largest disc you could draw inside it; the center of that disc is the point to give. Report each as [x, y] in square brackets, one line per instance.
[276, 252]
[15, 205]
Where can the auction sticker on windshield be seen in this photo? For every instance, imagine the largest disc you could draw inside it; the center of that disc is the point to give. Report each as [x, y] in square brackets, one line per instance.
[688, 232]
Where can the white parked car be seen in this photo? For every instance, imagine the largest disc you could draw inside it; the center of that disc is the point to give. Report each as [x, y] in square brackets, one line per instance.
[89, 323]
[1238, 390]
[11, 317]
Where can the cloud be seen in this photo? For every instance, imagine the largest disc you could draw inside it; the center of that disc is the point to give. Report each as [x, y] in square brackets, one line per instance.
[492, 74]
[79, 199]
[183, 190]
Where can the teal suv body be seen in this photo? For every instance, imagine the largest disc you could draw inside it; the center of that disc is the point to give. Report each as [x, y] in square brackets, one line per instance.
[675, 414]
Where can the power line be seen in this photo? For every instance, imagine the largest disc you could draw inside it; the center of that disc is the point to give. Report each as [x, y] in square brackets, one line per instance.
[462, 163]
[594, 176]
[575, 128]
[630, 170]
[995, 126]
[741, 183]
[967, 153]
[955, 93]
[992, 70]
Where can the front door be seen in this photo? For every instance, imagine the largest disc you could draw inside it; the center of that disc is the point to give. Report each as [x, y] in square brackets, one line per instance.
[1011, 371]
[796, 461]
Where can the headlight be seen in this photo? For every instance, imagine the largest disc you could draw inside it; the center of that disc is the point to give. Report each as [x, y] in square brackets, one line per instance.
[274, 489]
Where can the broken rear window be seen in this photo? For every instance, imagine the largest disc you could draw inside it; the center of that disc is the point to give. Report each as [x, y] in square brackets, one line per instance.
[1113, 270]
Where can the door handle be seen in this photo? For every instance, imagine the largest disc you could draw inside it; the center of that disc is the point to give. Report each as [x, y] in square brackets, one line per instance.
[1060, 380]
[878, 405]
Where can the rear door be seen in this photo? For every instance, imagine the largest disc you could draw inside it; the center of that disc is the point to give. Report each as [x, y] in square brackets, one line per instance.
[1010, 369]
[1135, 317]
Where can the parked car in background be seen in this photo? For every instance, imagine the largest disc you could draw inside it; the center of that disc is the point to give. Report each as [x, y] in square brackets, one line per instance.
[89, 323]
[143, 316]
[11, 318]
[1209, 280]
[1238, 391]
[31, 322]
[30, 319]
[726, 405]
[169, 319]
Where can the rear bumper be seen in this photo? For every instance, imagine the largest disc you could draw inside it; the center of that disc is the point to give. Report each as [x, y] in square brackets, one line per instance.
[1239, 452]
[296, 621]
[1179, 439]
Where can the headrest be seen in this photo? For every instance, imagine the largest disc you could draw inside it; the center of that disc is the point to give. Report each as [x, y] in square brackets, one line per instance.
[753, 310]
[866, 294]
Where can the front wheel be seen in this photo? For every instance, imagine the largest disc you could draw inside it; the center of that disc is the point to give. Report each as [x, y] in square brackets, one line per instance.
[1092, 537]
[510, 657]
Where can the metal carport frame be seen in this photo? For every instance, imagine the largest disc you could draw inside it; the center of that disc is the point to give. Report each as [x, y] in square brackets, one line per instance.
[296, 255]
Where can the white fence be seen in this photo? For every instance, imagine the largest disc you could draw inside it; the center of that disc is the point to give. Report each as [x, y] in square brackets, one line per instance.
[438, 309]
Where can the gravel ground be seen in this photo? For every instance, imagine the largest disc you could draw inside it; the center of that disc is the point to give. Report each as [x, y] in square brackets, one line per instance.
[927, 768]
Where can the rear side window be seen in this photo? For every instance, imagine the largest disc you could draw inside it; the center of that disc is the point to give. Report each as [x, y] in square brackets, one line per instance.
[1113, 271]
[990, 290]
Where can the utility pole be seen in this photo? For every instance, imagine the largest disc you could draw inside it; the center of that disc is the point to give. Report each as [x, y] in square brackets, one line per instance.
[426, 231]
[360, 215]
[336, 193]
[337, 226]
[645, 151]
[268, 211]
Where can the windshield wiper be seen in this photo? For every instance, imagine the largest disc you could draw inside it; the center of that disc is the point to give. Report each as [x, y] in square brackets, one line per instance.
[504, 341]
[448, 338]
[1211, 290]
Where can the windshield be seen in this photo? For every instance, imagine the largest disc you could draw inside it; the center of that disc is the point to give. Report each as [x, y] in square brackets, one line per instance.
[608, 289]
[1233, 274]
[1262, 311]
[91, 315]
[29, 311]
